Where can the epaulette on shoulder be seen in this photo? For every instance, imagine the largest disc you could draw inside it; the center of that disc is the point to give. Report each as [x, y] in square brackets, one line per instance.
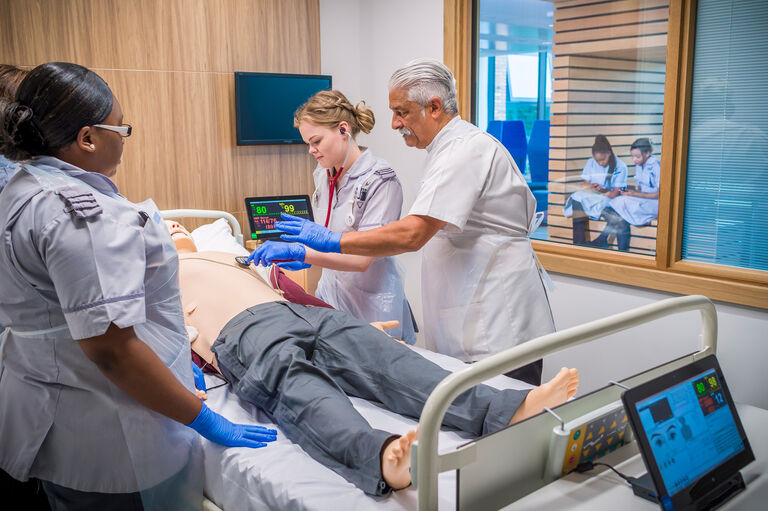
[386, 172]
[80, 202]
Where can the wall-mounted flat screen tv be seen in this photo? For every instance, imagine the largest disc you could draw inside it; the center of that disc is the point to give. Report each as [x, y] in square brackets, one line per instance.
[265, 104]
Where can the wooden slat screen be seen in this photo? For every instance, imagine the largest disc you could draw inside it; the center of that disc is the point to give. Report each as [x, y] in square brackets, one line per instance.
[609, 71]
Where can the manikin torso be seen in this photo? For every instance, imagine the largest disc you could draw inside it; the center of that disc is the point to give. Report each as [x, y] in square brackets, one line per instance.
[214, 289]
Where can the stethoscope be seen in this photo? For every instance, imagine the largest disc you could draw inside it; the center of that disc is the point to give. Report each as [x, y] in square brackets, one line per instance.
[360, 192]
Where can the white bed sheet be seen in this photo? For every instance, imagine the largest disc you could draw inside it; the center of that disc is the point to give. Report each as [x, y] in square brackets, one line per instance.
[282, 476]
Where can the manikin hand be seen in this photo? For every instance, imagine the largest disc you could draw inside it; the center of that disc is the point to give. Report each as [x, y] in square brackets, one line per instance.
[385, 325]
[309, 233]
[289, 256]
[199, 382]
[219, 430]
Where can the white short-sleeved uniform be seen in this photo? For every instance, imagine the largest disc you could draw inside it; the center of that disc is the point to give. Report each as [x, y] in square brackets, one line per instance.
[641, 210]
[481, 287]
[594, 203]
[75, 256]
[376, 294]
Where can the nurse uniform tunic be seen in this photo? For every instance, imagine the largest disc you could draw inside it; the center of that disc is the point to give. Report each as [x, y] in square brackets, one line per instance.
[593, 202]
[376, 294]
[481, 287]
[641, 210]
[75, 256]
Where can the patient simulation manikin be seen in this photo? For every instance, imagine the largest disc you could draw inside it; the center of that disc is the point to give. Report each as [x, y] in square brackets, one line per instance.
[299, 363]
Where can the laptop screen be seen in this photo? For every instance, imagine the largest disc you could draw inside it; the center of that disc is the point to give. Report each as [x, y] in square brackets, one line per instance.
[690, 429]
[263, 212]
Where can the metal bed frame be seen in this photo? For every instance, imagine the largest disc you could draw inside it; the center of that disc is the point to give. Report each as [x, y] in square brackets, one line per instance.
[207, 213]
[494, 482]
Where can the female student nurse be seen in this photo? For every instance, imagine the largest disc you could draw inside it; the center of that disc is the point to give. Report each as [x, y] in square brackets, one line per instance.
[640, 206]
[603, 176]
[97, 380]
[354, 191]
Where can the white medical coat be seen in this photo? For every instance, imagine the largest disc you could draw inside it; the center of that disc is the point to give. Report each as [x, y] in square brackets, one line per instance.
[481, 287]
[641, 210]
[593, 202]
[75, 256]
[376, 294]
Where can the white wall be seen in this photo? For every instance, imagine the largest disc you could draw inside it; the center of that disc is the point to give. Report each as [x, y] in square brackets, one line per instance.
[362, 43]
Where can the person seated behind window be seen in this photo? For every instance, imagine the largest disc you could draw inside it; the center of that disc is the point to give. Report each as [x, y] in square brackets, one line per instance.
[634, 206]
[299, 363]
[603, 176]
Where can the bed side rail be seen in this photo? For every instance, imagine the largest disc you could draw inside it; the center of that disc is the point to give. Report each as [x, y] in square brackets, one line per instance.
[426, 464]
[207, 213]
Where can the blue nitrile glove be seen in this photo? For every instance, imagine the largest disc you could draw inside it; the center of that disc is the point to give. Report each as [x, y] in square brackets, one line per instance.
[294, 265]
[278, 252]
[309, 233]
[217, 429]
[199, 378]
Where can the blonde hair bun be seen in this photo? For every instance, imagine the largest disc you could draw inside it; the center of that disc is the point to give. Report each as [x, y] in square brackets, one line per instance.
[331, 107]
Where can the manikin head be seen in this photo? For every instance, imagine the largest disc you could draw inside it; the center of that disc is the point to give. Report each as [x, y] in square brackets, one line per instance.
[641, 149]
[422, 97]
[55, 112]
[329, 123]
[181, 237]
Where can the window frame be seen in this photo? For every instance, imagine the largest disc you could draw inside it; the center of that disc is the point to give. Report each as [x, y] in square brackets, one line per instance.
[666, 271]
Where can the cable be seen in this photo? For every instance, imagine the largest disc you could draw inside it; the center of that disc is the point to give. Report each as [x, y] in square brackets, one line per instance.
[641, 486]
[589, 465]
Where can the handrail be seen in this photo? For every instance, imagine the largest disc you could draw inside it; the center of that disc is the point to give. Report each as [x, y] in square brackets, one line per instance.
[207, 213]
[428, 461]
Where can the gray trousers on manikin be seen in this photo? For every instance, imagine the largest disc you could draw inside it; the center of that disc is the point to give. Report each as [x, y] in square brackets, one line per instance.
[300, 363]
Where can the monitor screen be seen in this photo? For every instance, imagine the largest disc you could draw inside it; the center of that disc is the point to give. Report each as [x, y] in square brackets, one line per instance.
[266, 102]
[263, 212]
[690, 428]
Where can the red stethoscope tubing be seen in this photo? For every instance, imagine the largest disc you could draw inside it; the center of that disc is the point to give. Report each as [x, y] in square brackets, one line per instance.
[332, 180]
[331, 190]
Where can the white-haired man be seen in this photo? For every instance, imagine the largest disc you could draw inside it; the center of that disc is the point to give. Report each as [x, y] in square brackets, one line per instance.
[481, 287]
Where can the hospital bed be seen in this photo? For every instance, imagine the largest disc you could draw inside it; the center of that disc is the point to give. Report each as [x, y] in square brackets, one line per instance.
[282, 476]
[463, 472]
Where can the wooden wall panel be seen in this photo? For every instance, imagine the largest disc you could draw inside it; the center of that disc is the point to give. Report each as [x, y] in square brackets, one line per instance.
[609, 75]
[171, 65]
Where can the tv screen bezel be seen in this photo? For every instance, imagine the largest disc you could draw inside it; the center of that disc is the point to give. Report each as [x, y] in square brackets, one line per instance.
[281, 141]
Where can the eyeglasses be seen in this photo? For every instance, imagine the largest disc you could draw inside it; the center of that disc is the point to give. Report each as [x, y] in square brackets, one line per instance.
[124, 130]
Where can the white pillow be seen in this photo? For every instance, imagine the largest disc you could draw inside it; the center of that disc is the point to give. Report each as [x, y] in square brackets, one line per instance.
[217, 236]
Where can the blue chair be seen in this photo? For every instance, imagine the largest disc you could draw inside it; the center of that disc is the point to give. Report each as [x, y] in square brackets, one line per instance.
[538, 163]
[538, 154]
[512, 135]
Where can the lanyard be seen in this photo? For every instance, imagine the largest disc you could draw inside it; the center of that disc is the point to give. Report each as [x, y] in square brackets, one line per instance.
[332, 184]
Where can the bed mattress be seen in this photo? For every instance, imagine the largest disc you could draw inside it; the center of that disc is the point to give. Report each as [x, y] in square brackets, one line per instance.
[282, 476]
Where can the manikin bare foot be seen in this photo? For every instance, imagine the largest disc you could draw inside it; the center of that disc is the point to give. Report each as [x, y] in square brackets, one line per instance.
[396, 461]
[552, 393]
